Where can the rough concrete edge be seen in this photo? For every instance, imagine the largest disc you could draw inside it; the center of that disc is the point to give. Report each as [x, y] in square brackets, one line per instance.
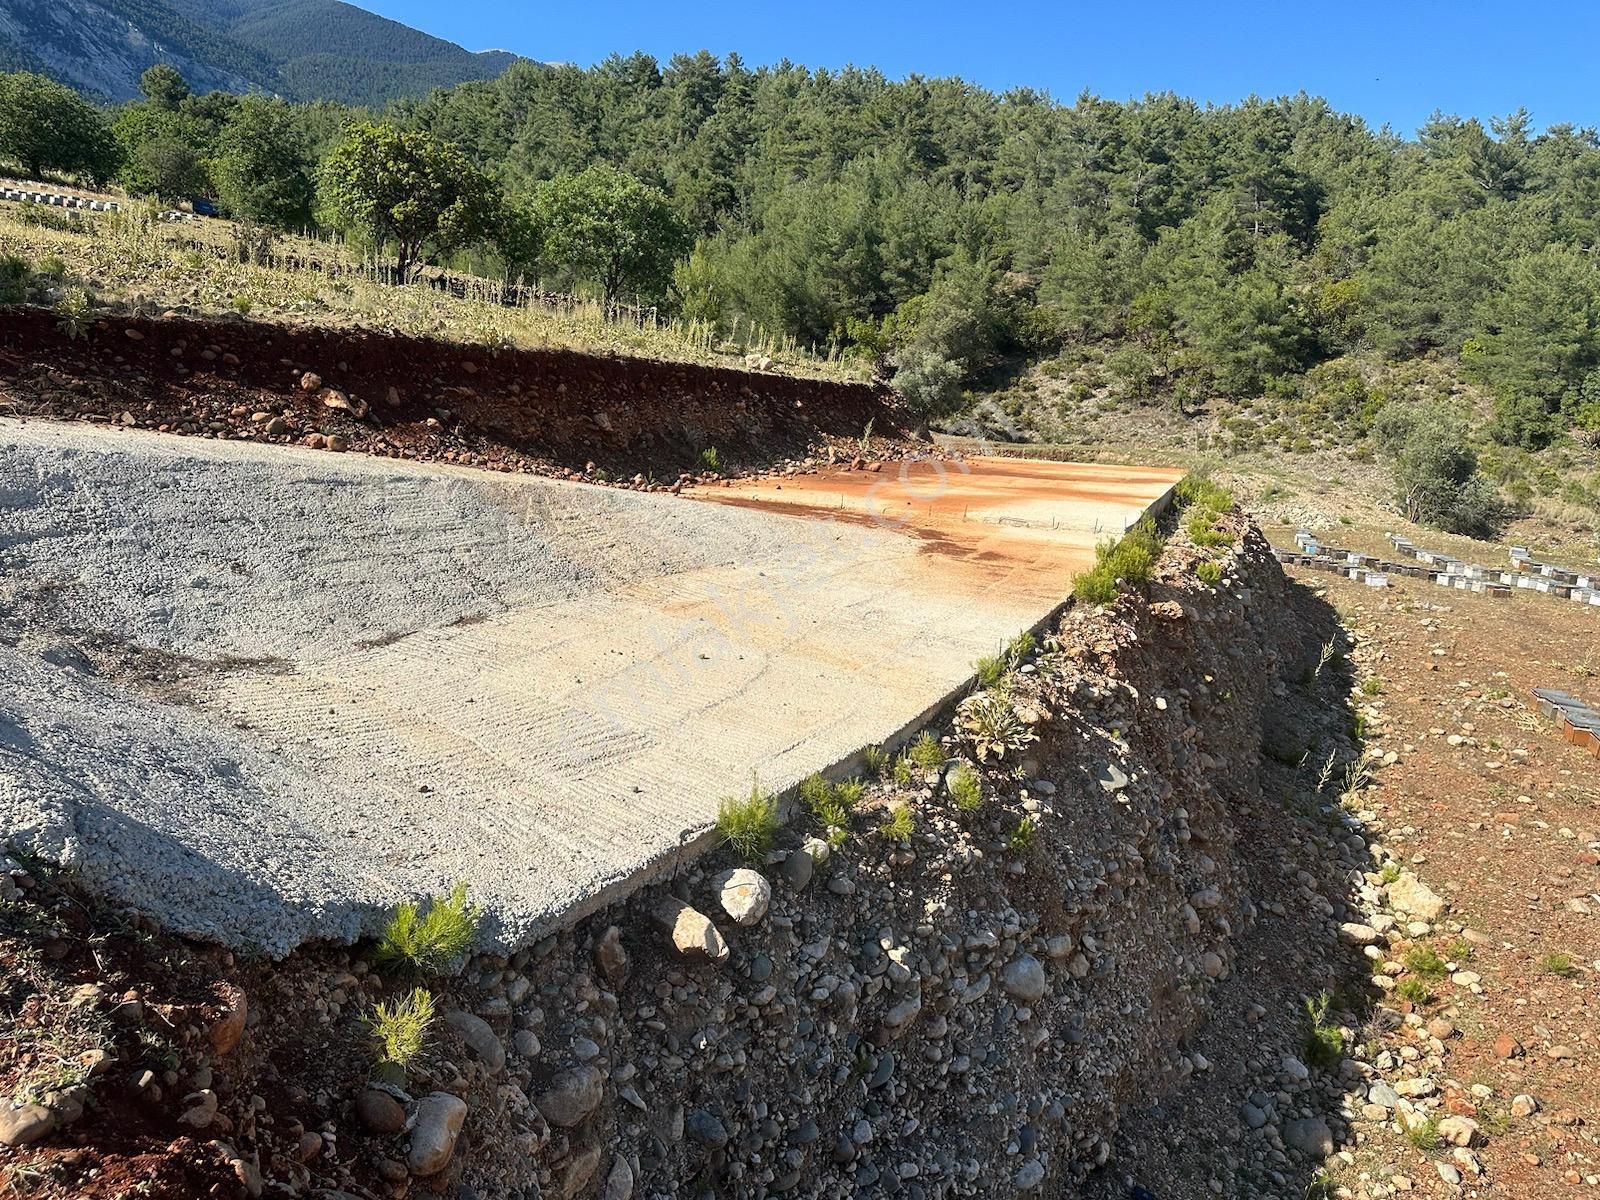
[698, 841]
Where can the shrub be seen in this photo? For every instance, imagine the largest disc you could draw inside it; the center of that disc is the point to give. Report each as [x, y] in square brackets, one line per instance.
[1131, 560]
[899, 825]
[428, 942]
[748, 825]
[965, 788]
[927, 753]
[929, 383]
[710, 459]
[400, 1030]
[14, 279]
[1196, 491]
[1324, 1039]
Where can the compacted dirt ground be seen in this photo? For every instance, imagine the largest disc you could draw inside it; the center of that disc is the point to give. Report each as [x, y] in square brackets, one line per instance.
[1465, 1045]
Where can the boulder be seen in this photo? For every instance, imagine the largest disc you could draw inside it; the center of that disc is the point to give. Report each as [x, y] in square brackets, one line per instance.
[1410, 895]
[572, 1096]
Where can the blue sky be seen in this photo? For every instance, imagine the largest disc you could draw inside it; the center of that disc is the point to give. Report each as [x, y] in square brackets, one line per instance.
[1393, 62]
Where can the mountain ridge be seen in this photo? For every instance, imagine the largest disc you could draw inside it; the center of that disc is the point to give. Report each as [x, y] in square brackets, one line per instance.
[299, 49]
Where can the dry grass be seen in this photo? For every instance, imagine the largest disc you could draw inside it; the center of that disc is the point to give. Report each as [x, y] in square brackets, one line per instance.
[133, 258]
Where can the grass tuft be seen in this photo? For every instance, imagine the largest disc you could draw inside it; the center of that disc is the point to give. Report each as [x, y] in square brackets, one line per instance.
[1558, 962]
[1413, 991]
[899, 825]
[1022, 836]
[1208, 572]
[966, 789]
[1425, 962]
[428, 942]
[1324, 1039]
[903, 770]
[400, 1030]
[750, 824]
[873, 760]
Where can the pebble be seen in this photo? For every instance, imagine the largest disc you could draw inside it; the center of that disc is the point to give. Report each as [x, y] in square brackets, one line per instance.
[744, 895]
[572, 1095]
[1024, 978]
[380, 1112]
[21, 1125]
[438, 1123]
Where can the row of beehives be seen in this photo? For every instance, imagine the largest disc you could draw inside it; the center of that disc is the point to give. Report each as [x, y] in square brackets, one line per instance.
[1526, 573]
[57, 200]
[1579, 723]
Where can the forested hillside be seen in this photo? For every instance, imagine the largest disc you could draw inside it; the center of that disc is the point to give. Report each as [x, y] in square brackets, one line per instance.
[303, 49]
[1156, 250]
[1222, 248]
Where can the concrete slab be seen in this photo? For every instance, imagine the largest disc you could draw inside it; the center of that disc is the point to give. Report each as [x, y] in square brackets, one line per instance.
[266, 693]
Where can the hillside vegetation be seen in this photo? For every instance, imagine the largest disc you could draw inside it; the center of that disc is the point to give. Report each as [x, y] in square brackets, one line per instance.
[1295, 276]
[304, 49]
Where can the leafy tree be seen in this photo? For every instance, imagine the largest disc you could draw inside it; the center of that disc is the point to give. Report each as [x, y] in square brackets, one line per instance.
[1436, 470]
[45, 126]
[407, 189]
[606, 226]
[259, 165]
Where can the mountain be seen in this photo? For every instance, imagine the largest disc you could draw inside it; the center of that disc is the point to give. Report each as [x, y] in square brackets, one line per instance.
[301, 49]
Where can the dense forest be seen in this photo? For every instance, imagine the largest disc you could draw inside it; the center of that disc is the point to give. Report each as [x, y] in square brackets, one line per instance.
[941, 228]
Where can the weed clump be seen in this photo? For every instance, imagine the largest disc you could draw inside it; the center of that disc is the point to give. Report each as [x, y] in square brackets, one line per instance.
[1022, 836]
[899, 825]
[1131, 562]
[1413, 991]
[1208, 572]
[989, 669]
[428, 942]
[1425, 962]
[927, 753]
[710, 459]
[750, 824]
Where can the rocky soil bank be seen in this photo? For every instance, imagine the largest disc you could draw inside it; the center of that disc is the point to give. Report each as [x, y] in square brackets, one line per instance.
[958, 1001]
[627, 421]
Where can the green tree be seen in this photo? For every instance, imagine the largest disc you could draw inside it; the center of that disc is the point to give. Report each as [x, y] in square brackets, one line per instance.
[606, 226]
[405, 189]
[259, 165]
[1436, 469]
[45, 126]
[1541, 337]
[164, 87]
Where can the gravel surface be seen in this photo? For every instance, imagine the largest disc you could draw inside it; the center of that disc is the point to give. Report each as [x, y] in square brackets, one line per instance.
[265, 693]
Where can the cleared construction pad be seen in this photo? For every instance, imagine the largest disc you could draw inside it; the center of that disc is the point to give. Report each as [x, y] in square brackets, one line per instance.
[266, 693]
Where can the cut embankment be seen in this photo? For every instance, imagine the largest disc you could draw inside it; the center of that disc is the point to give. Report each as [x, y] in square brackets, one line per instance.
[518, 410]
[265, 694]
